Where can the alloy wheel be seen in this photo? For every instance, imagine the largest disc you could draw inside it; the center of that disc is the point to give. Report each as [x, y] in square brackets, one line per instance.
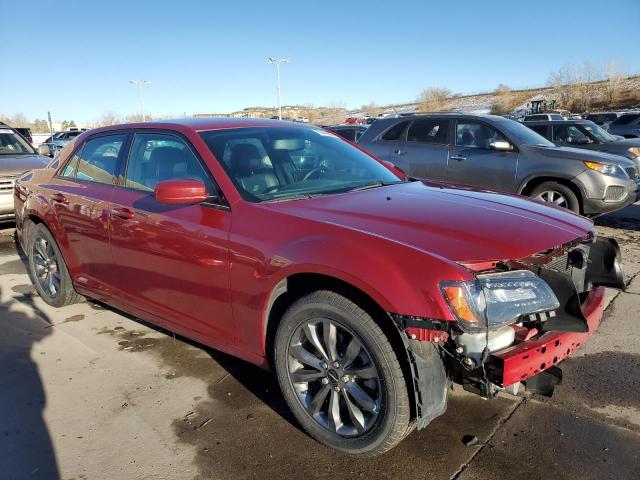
[552, 196]
[45, 261]
[334, 377]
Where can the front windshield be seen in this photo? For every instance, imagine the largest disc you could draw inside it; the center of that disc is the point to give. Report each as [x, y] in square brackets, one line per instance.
[525, 135]
[280, 163]
[13, 144]
[599, 133]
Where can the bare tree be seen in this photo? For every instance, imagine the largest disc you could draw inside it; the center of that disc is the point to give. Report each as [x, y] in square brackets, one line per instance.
[433, 99]
[615, 75]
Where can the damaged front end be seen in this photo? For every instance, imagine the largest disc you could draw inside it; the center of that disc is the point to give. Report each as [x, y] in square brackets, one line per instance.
[516, 323]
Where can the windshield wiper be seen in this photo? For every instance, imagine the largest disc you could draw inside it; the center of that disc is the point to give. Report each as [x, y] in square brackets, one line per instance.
[297, 196]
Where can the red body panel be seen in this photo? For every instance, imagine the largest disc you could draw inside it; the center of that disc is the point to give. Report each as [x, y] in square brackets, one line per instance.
[531, 357]
[208, 273]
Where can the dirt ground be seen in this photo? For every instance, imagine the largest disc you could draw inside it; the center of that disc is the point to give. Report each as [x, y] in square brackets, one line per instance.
[89, 393]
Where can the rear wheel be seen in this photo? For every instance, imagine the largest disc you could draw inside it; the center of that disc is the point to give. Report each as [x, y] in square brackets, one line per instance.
[557, 194]
[47, 269]
[340, 375]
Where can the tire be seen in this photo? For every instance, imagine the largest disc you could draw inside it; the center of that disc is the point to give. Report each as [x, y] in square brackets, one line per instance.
[54, 285]
[557, 194]
[381, 417]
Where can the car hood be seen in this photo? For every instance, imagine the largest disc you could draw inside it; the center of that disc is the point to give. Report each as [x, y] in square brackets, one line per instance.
[570, 153]
[12, 165]
[456, 223]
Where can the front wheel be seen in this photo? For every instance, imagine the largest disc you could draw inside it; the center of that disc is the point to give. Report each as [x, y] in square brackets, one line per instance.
[47, 269]
[557, 194]
[340, 375]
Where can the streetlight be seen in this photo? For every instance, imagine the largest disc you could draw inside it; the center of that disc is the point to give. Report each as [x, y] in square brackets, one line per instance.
[277, 64]
[141, 83]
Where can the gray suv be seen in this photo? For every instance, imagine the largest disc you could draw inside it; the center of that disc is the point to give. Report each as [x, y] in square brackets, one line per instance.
[16, 157]
[495, 153]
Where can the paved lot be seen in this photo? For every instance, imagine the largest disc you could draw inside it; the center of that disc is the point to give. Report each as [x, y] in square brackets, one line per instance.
[86, 392]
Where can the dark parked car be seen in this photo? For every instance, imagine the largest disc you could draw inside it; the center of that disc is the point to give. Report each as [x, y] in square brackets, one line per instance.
[603, 119]
[628, 125]
[350, 132]
[365, 291]
[496, 153]
[587, 135]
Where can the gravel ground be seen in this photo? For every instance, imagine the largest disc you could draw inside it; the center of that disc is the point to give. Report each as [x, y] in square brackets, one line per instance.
[87, 392]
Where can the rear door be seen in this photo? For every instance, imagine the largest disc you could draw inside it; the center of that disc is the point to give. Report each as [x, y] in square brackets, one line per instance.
[425, 150]
[173, 260]
[472, 161]
[80, 195]
[389, 145]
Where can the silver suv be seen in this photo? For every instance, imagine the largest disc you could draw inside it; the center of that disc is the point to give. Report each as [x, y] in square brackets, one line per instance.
[495, 153]
[16, 157]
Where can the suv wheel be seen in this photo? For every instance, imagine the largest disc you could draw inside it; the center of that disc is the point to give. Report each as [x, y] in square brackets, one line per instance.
[47, 269]
[556, 194]
[340, 375]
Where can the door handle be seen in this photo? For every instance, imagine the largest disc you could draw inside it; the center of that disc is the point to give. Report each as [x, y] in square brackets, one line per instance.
[400, 152]
[59, 198]
[122, 213]
[457, 157]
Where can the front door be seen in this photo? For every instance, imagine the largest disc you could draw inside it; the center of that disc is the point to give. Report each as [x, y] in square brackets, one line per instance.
[173, 260]
[472, 161]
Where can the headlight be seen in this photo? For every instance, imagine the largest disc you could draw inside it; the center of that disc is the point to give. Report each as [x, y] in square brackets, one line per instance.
[634, 151]
[499, 298]
[607, 169]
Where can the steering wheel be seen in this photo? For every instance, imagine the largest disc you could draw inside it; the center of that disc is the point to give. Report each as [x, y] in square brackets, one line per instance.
[319, 169]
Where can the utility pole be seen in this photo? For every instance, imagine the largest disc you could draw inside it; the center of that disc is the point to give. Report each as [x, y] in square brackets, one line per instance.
[50, 125]
[277, 63]
[140, 84]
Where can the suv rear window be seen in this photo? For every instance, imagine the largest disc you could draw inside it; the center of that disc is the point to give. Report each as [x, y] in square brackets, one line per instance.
[395, 132]
[626, 119]
[429, 131]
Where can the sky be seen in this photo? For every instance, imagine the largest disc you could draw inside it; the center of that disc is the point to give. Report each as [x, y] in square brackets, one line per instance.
[76, 59]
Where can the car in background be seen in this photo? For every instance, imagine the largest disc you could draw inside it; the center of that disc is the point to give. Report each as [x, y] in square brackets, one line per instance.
[26, 133]
[60, 139]
[543, 116]
[16, 156]
[586, 134]
[495, 153]
[603, 119]
[350, 132]
[366, 292]
[627, 126]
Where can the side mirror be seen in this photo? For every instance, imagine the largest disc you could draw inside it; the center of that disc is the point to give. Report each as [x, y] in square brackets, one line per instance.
[181, 192]
[396, 169]
[44, 150]
[501, 146]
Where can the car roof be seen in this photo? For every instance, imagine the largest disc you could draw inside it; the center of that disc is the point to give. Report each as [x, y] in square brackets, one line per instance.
[201, 124]
[560, 122]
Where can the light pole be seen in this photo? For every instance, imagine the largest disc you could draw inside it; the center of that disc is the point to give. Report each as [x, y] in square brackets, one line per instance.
[141, 83]
[277, 64]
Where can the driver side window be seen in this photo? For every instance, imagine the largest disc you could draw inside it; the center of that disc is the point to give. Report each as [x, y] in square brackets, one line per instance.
[156, 157]
[477, 135]
[569, 134]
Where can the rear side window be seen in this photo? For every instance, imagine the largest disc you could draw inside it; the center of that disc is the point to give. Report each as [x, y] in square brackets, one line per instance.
[429, 131]
[98, 159]
[541, 129]
[395, 132]
[156, 157]
[626, 119]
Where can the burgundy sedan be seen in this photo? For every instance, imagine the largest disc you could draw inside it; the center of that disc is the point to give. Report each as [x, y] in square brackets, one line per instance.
[366, 292]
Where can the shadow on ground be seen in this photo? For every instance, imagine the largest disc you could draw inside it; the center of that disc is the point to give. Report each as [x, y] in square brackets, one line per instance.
[26, 450]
